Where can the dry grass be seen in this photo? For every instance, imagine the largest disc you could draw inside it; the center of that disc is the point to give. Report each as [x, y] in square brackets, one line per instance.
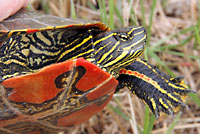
[178, 49]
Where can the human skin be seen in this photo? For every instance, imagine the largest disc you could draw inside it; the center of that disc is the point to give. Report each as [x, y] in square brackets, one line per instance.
[10, 7]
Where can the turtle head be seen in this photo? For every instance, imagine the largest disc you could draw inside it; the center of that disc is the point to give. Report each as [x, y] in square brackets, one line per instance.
[119, 48]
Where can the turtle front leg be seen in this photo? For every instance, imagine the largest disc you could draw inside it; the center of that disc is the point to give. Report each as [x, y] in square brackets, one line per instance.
[161, 92]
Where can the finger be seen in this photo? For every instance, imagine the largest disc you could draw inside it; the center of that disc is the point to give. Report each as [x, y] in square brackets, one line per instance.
[10, 7]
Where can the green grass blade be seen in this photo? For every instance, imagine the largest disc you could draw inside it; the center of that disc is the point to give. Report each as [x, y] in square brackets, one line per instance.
[73, 12]
[143, 13]
[102, 7]
[45, 6]
[197, 36]
[197, 29]
[183, 55]
[118, 111]
[101, 10]
[111, 14]
[133, 18]
[146, 120]
[153, 55]
[29, 6]
[118, 13]
[160, 42]
[195, 98]
[92, 6]
[151, 123]
[104, 12]
[152, 13]
[186, 30]
[151, 21]
[173, 124]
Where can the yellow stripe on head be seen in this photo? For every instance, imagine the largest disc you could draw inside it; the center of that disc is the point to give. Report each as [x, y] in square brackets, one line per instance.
[118, 48]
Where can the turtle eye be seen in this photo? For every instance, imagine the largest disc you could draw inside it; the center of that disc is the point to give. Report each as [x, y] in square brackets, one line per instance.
[123, 37]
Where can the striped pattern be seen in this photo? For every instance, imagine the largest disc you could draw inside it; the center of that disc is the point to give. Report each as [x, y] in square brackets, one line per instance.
[26, 53]
[160, 91]
[119, 48]
[46, 41]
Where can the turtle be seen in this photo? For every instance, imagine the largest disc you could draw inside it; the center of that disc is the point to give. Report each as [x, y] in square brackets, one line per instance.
[58, 72]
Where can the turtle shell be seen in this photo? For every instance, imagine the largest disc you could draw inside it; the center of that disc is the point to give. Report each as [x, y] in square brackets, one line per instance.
[55, 96]
[26, 21]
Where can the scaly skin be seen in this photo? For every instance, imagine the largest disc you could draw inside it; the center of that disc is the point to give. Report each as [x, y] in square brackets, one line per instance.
[161, 92]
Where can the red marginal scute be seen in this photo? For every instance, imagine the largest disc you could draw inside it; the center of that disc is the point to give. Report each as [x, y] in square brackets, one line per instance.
[97, 86]
[32, 30]
[100, 83]
[93, 77]
[37, 87]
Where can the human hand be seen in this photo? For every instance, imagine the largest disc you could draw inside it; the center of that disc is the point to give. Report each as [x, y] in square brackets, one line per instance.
[10, 7]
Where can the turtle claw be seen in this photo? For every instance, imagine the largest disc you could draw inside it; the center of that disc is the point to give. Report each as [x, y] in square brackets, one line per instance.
[184, 105]
[172, 114]
[192, 91]
[165, 104]
[157, 114]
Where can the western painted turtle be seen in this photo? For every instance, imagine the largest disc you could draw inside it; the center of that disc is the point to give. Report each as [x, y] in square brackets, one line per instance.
[58, 72]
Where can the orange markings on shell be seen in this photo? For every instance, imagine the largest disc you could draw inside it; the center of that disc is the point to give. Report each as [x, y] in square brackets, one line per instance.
[37, 87]
[106, 88]
[40, 86]
[93, 76]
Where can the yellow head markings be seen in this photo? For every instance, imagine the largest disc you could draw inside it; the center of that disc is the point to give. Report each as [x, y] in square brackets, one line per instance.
[81, 54]
[109, 52]
[137, 34]
[104, 38]
[135, 43]
[134, 29]
[126, 50]
[102, 47]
